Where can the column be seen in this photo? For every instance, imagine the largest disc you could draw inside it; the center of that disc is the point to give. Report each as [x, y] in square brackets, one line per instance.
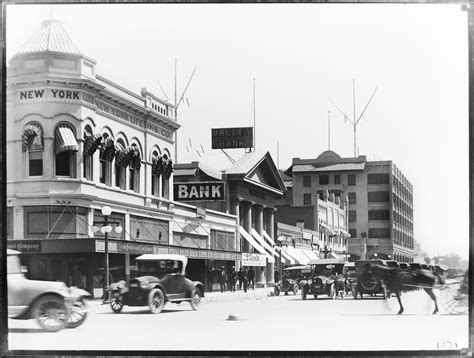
[260, 279]
[269, 220]
[235, 210]
[247, 207]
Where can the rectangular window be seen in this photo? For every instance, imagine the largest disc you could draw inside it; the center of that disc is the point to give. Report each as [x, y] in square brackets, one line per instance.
[306, 199]
[353, 232]
[184, 239]
[383, 233]
[379, 196]
[120, 177]
[352, 215]
[323, 179]
[352, 197]
[155, 185]
[10, 233]
[222, 240]
[378, 178]
[379, 215]
[148, 229]
[165, 188]
[35, 163]
[306, 180]
[351, 179]
[64, 164]
[337, 179]
[55, 222]
[134, 179]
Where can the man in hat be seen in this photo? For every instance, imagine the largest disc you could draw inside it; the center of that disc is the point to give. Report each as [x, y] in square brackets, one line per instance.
[232, 279]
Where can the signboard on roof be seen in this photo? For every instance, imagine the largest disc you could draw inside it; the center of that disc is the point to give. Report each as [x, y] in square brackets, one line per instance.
[226, 138]
[199, 191]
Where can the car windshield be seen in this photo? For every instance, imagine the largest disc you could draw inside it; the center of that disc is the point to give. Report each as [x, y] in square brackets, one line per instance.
[159, 266]
[327, 270]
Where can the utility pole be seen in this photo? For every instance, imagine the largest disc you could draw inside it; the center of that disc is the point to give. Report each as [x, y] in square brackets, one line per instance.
[329, 130]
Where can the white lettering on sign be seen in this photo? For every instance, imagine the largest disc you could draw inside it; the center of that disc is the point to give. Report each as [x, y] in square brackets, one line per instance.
[199, 191]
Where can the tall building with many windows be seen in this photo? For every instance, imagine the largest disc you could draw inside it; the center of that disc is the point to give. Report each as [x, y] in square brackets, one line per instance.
[380, 201]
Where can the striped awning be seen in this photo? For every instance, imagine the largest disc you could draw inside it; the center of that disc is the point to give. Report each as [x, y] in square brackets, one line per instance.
[108, 147]
[136, 160]
[124, 157]
[157, 166]
[30, 132]
[252, 242]
[91, 144]
[65, 140]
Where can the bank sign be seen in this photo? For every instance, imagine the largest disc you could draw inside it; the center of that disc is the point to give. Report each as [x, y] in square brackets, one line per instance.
[199, 191]
[224, 138]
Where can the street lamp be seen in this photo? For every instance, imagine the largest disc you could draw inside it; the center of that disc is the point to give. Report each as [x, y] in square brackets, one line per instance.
[105, 229]
[375, 256]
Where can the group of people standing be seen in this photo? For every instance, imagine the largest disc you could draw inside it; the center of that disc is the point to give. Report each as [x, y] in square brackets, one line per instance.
[228, 280]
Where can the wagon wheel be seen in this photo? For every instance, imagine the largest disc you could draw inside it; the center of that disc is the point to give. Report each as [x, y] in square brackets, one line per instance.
[296, 288]
[116, 302]
[454, 297]
[78, 314]
[51, 313]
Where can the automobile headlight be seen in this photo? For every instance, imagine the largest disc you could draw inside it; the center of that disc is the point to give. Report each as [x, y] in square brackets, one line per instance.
[143, 284]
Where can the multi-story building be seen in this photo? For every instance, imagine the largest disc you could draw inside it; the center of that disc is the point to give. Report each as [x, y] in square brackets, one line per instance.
[78, 142]
[380, 201]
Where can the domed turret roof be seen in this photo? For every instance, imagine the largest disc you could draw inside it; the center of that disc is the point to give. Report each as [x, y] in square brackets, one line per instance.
[50, 37]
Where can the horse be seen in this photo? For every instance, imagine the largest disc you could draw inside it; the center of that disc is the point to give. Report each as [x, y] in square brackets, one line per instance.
[397, 280]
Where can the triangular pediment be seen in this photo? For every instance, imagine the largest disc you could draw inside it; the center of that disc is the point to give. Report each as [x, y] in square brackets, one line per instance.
[263, 174]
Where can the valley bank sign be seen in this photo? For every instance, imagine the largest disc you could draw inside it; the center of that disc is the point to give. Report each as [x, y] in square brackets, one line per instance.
[78, 96]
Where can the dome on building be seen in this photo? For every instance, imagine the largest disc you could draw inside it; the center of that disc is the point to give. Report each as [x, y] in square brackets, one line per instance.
[50, 37]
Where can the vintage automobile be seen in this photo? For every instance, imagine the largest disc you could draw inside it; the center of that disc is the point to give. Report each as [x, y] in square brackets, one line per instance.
[161, 278]
[291, 277]
[404, 266]
[52, 304]
[326, 279]
[367, 282]
[350, 277]
[392, 263]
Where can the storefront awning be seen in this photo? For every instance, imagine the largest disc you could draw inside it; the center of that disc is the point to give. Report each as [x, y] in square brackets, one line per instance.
[299, 257]
[252, 242]
[269, 239]
[287, 257]
[262, 242]
[65, 140]
[310, 253]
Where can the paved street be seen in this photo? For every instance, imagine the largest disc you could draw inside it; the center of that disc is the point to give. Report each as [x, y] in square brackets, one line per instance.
[342, 324]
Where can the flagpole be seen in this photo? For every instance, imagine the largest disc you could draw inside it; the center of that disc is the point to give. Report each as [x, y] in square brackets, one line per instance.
[254, 131]
[329, 130]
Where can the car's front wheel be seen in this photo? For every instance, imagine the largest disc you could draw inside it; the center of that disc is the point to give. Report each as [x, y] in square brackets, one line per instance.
[51, 313]
[156, 300]
[78, 313]
[196, 299]
[116, 302]
[296, 289]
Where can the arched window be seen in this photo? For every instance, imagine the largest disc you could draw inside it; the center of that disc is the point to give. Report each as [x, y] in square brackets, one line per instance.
[32, 146]
[107, 153]
[167, 165]
[156, 171]
[134, 169]
[65, 148]
[120, 166]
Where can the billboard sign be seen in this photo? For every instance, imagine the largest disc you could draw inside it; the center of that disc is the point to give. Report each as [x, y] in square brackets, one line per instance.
[199, 191]
[226, 138]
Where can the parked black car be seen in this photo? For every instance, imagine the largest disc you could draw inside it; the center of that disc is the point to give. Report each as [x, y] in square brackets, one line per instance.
[326, 279]
[291, 278]
[367, 282]
[161, 278]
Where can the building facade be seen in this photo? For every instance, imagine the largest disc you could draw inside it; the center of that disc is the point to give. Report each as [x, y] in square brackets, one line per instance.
[379, 196]
[76, 142]
[252, 187]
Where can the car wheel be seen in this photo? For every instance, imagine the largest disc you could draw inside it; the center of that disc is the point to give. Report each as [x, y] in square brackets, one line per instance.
[296, 289]
[116, 302]
[276, 290]
[78, 314]
[156, 300]
[303, 293]
[196, 299]
[51, 313]
[332, 292]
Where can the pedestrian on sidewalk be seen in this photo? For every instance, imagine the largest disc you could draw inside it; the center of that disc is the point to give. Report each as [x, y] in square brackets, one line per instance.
[245, 279]
[210, 277]
[251, 278]
[223, 279]
[240, 276]
[232, 279]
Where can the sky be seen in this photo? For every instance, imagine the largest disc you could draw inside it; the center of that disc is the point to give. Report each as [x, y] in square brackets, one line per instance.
[300, 58]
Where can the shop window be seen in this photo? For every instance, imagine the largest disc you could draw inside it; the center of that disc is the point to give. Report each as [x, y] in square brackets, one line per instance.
[306, 199]
[222, 240]
[351, 179]
[146, 229]
[323, 179]
[184, 239]
[337, 179]
[306, 180]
